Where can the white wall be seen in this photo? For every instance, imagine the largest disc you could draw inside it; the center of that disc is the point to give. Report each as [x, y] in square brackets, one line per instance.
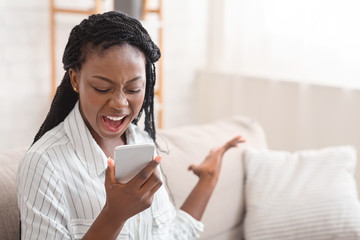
[24, 68]
[185, 46]
[25, 62]
[303, 41]
[294, 116]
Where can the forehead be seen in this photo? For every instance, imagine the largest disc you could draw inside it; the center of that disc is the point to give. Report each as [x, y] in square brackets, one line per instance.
[101, 52]
[118, 54]
[117, 63]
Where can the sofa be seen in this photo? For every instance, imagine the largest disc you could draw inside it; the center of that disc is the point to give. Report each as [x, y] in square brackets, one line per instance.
[261, 193]
[179, 147]
[266, 194]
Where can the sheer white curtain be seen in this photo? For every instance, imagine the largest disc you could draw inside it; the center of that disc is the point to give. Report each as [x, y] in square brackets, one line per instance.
[312, 41]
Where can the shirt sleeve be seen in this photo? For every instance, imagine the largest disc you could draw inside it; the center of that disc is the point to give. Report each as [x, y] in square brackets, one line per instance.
[172, 223]
[40, 199]
[185, 220]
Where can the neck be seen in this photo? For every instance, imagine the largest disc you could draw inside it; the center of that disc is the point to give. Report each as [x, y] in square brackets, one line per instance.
[108, 146]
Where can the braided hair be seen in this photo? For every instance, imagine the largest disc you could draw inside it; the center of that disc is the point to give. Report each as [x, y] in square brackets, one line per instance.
[103, 30]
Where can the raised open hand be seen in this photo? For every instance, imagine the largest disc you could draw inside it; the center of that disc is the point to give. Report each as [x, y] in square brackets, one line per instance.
[209, 169]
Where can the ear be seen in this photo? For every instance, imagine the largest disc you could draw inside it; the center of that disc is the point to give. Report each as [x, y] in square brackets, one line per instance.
[74, 79]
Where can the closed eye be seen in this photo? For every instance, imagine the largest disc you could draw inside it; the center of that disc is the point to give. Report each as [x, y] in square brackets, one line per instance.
[101, 90]
[134, 91]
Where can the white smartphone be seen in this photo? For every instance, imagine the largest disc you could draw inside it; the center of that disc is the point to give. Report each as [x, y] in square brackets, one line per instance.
[131, 159]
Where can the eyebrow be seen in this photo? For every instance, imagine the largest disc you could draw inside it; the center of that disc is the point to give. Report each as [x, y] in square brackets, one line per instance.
[108, 80]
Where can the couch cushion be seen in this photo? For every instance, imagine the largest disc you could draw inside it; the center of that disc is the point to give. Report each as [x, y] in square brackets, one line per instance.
[308, 194]
[9, 213]
[190, 144]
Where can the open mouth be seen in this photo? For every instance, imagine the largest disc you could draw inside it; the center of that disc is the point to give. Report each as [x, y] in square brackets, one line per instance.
[113, 123]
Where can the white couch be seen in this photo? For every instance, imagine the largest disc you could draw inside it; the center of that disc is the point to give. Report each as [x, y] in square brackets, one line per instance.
[238, 202]
[181, 146]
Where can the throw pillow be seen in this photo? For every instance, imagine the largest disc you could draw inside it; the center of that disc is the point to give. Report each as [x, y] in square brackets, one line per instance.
[308, 194]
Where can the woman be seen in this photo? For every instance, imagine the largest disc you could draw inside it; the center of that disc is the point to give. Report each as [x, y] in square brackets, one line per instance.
[66, 183]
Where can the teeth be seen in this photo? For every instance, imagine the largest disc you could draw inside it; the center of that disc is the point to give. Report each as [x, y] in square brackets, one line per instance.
[115, 118]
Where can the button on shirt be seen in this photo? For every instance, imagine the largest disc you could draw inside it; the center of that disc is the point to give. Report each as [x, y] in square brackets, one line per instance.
[61, 189]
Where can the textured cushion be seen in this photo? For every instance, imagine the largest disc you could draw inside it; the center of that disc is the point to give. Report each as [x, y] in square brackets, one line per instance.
[190, 144]
[9, 213]
[302, 195]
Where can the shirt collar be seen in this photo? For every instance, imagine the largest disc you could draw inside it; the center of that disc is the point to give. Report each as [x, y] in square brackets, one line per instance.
[88, 151]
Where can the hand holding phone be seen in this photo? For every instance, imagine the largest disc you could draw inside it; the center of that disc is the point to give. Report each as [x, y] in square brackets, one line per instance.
[131, 159]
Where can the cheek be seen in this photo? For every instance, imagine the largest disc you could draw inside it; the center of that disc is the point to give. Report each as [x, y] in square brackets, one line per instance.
[91, 104]
[137, 102]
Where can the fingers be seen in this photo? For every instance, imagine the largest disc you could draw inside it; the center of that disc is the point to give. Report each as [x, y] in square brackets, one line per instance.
[150, 193]
[234, 142]
[146, 172]
[153, 183]
[155, 188]
[110, 173]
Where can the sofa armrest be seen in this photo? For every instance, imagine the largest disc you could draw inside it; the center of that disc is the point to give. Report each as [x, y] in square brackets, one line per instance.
[9, 212]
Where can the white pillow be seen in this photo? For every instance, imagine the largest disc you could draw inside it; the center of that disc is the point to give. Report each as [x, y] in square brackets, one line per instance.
[302, 195]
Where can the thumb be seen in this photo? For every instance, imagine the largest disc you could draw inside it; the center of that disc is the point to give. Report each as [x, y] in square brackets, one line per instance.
[110, 172]
[193, 168]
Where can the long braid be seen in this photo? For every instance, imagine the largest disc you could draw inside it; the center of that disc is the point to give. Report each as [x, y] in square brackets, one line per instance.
[63, 102]
[148, 105]
[104, 30]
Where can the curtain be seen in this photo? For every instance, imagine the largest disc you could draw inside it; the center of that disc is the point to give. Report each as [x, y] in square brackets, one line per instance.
[311, 41]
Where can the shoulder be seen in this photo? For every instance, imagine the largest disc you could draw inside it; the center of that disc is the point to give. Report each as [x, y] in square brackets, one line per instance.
[53, 138]
[38, 178]
[38, 157]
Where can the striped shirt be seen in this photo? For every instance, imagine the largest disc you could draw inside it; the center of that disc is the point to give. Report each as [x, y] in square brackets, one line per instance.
[61, 189]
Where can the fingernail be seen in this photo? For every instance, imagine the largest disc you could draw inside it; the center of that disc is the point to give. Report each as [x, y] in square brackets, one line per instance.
[158, 159]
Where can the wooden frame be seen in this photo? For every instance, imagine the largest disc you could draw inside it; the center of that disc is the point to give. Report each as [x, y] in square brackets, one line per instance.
[53, 11]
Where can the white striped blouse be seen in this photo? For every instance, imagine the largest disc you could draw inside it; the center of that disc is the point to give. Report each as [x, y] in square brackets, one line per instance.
[61, 189]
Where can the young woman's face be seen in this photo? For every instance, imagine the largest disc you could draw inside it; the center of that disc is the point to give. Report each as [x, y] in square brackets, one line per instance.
[111, 87]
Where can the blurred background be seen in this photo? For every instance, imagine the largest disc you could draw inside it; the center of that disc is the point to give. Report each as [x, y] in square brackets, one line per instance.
[293, 66]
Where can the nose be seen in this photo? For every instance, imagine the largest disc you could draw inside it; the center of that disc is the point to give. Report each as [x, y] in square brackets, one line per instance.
[119, 100]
